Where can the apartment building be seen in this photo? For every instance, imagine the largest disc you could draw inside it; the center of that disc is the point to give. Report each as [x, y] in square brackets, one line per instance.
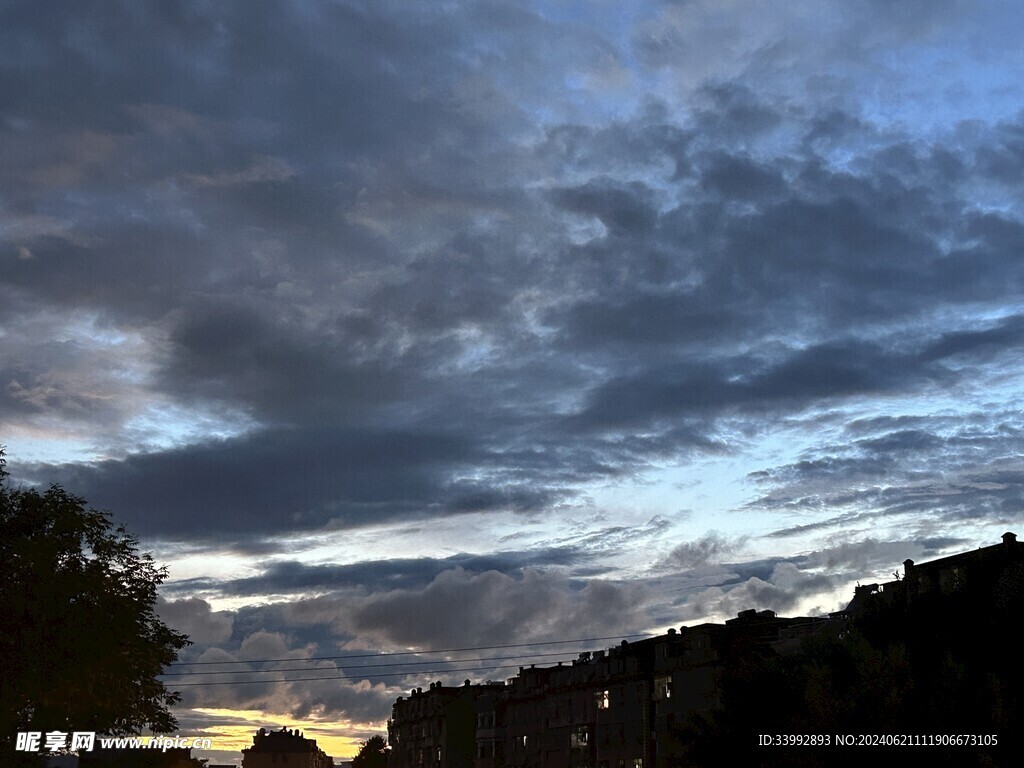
[623, 707]
[286, 748]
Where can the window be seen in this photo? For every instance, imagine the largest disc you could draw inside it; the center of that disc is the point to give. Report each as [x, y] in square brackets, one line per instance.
[638, 762]
[602, 699]
[579, 738]
[663, 687]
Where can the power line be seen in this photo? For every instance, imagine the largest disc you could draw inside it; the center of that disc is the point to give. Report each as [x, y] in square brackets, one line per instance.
[362, 666]
[410, 653]
[335, 677]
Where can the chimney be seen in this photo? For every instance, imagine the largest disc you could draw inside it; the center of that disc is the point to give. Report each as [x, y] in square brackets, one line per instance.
[908, 564]
[1009, 539]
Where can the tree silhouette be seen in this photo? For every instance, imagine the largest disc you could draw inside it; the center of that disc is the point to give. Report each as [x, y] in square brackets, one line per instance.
[81, 645]
[372, 754]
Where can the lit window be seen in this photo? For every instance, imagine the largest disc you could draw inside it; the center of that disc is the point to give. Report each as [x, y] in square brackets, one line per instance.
[579, 738]
[663, 687]
[602, 699]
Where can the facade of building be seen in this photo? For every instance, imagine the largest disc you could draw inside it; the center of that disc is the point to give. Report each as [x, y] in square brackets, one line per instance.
[284, 749]
[623, 707]
[436, 728]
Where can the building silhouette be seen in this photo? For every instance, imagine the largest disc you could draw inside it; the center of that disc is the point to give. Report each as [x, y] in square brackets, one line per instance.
[438, 727]
[986, 571]
[284, 749]
[623, 707]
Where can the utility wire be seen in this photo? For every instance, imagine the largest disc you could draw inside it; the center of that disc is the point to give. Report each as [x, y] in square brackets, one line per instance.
[363, 666]
[412, 653]
[340, 677]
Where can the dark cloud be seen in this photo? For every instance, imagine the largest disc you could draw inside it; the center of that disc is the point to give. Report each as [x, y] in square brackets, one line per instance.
[1005, 336]
[459, 608]
[735, 112]
[400, 573]
[649, 318]
[284, 374]
[740, 178]
[861, 558]
[349, 477]
[624, 210]
[809, 375]
[709, 549]
[194, 617]
[781, 591]
[940, 470]
[349, 252]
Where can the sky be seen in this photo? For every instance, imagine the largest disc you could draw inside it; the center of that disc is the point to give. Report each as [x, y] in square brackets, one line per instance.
[395, 326]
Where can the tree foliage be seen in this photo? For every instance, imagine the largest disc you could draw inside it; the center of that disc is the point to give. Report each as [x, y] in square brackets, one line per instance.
[81, 644]
[372, 754]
